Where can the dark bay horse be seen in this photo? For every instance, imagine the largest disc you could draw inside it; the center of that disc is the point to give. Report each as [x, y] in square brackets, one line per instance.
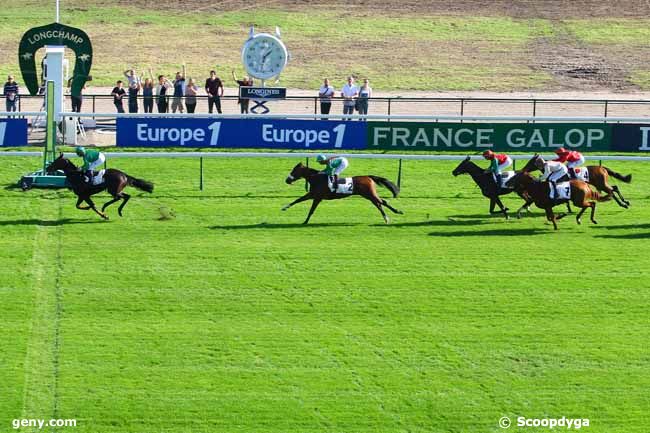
[598, 177]
[582, 196]
[485, 181]
[114, 182]
[319, 190]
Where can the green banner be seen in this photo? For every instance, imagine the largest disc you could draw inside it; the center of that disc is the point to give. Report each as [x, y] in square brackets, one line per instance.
[475, 137]
[58, 35]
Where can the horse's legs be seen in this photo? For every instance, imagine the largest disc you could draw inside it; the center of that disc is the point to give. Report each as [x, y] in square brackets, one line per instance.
[314, 205]
[593, 212]
[618, 192]
[504, 210]
[79, 200]
[568, 207]
[580, 215]
[526, 206]
[298, 200]
[550, 215]
[385, 203]
[92, 206]
[126, 198]
[492, 204]
[108, 203]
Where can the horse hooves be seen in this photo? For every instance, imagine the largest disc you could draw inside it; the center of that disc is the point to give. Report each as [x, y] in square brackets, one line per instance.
[400, 212]
[594, 221]
[579, 222]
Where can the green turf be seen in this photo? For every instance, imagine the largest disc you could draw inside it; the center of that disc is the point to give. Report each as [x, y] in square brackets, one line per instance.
[230, 316]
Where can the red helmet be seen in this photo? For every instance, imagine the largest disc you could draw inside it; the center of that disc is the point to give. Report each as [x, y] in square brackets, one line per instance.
[488, 154]
[560, 151]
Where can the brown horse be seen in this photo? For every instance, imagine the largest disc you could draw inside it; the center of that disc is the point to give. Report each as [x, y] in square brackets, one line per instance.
[114, 182]
[598, 177]
[582, 196]
[319, 190]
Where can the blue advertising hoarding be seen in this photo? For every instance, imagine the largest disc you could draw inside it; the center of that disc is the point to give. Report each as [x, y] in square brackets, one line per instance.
[240, 133]
[13, 132]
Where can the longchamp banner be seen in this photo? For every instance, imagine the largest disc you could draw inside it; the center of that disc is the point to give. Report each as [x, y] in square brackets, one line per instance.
[381, 136]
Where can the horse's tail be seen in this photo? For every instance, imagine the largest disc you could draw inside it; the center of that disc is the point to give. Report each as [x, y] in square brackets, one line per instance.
[394, 189]
[141, 184]
[615, 175]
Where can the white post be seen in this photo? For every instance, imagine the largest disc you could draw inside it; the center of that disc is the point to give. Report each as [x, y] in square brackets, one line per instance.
[54, 63]
[57, 16]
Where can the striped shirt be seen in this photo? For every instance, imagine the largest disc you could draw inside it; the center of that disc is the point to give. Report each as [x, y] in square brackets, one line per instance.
[11, 90]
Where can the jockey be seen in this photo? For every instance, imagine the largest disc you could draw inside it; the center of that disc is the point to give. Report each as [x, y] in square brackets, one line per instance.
[335, 165]
[499, 162]
[553, 172]
[92, 159]
[572, 158]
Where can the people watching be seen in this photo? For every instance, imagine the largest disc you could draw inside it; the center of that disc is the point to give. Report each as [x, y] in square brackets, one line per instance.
[214, 89]
[10, 91]
[325, 93]
[365, 92]
[179, 91]
[245, 82]
[191, 90]
[118, 93]
[147, 93]
[349, 92]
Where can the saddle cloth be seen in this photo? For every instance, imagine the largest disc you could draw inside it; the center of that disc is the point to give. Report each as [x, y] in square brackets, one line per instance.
[505, 177]
[582, 174]
[344, 186]
[563, 191]
[99, 177]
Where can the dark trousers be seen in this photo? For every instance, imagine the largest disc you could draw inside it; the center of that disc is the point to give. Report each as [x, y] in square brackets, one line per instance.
[162, 105]
[76, 103]
[214, 101]
[119, 106]
[348, 109]
[148, 105]
[325, 107]
[243, 106]
[133, 105]
[190, 107]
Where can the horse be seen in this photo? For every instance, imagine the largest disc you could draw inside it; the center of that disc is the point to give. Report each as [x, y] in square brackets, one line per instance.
[485, 181]
[582, 196]
[598, 177]
[319, 190]
[114, 182]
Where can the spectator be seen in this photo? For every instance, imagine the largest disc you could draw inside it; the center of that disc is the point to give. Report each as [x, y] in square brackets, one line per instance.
[179, 91]
[325, 94]
[147, 93]
[214, 89]
[191, 90]
[349, 93]
[131, 77]
[134, 89]
[11, 90]
[365, 92]
[243, 102]
[76, 101]
[162, 89]
[118, 93]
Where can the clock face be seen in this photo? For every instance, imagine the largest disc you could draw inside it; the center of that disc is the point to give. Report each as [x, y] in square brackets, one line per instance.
[264, 56]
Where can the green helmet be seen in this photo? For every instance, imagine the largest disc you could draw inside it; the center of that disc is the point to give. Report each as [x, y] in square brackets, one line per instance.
[321, 158]
[80, 151]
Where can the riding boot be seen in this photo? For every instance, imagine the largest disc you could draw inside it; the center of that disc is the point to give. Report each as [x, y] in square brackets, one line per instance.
[572, 173]
[499, 178]
[555, 192]
[88, 177]
[334, 179]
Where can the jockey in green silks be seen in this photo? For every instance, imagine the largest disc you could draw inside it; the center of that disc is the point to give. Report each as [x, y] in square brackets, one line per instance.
[334, 166]
[92, 158]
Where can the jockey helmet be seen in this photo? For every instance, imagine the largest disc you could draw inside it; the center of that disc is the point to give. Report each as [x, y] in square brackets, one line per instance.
[488, 154]
[80, 151]
[560, 150]
[321, 158]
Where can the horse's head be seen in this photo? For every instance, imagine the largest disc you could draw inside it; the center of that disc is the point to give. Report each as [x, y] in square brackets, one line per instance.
[60, 163]
[462, 167]
[534, 163]
[298, 172]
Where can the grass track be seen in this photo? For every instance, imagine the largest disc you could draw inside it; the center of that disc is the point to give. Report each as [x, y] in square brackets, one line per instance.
[232, 317]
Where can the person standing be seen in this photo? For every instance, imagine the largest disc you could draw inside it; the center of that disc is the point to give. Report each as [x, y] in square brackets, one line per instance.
[191, 90]
[162, 88]
[118, 93]
[365, 92]
[349, 93]
[147, 93]
[214, 89]
[10, 91]
[325, 93]
[179, 91]
[243, 102]
[76, 101]
[134, 89]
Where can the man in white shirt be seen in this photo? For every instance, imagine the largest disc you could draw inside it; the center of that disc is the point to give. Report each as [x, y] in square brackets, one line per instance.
[349, 93]
[325, 94]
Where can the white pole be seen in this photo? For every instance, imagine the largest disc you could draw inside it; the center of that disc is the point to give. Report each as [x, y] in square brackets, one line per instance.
[57, 11]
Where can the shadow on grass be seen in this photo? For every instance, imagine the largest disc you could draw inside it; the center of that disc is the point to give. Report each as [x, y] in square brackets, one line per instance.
[625, 226]
[266, 226]
[48, 223]
[492, 232]
[644, 235]
[434, 223]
